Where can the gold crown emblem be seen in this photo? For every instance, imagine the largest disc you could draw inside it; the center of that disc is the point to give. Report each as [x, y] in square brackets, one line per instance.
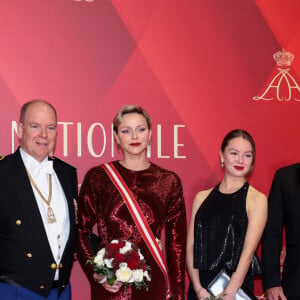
[283, 58]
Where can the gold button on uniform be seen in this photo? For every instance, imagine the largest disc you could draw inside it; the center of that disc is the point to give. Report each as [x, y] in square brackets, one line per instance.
[29, 255]
[60, 266]
[53, 266]
[18, 222]
[42, 287]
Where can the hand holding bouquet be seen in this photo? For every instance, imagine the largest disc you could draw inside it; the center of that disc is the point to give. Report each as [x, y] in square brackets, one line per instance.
[122, 261]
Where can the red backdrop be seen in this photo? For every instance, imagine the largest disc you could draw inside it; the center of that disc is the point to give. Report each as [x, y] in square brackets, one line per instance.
[195, 65]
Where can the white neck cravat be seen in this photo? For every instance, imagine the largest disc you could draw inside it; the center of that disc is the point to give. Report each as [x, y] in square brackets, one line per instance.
[45, 166]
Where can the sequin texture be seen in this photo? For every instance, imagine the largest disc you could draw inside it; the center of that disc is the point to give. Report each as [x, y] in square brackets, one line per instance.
[219, 231]
[160, 196]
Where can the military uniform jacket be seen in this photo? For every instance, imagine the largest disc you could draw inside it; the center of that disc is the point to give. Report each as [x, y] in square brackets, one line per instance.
[25, 253]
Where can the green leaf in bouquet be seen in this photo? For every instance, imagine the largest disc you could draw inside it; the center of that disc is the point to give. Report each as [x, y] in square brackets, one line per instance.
[111, 281]
[140, 285]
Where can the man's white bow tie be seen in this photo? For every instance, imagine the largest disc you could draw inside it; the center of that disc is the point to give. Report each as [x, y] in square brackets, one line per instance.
[44, 167]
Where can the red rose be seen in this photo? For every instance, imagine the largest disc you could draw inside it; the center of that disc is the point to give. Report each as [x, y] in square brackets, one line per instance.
[132, 263]
[122, 244]
[119, 258]
[112, 247]
[135, 256]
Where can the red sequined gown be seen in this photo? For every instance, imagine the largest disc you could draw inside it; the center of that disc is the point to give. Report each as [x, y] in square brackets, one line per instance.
[160, 197]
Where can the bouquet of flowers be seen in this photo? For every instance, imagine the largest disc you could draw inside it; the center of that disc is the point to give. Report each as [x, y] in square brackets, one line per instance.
[122, 261]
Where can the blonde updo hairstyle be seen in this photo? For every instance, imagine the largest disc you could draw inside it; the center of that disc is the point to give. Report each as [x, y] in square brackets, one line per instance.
[129, 109]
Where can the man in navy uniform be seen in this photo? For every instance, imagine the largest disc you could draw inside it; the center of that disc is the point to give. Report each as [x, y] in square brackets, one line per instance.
[37, 212]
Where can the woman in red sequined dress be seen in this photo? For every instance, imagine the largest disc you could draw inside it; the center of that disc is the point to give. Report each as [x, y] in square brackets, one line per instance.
[158, 193]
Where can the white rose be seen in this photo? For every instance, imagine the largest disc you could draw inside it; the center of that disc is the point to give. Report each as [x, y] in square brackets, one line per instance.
[146, 274]
[138, 275]
[108, 262]
[126, 248]
[124, 274]
[98, 260]
[140, 254]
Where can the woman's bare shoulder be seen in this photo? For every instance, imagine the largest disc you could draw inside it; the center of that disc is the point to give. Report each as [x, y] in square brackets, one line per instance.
[256, 195]
[201, 196]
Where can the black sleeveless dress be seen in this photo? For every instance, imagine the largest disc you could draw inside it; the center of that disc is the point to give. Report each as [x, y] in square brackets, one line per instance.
[219, 232]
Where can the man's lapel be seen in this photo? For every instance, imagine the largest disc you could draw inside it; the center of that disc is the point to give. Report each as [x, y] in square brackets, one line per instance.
[25, 195]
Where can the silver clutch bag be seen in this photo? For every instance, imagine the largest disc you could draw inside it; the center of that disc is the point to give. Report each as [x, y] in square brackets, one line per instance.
[219, 284]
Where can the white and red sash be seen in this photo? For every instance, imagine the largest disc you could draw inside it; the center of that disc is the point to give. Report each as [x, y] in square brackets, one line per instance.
[139, 220]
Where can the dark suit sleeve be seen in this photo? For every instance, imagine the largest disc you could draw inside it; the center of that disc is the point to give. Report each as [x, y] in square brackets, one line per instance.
[272, 238]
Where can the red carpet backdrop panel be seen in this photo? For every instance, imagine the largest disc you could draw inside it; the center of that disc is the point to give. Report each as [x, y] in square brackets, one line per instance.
[199, 67]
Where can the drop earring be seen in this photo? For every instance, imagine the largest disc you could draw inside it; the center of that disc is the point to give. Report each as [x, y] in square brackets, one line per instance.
[149, 148]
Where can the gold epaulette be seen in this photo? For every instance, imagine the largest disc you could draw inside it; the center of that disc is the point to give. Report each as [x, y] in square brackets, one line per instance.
[2, 157]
